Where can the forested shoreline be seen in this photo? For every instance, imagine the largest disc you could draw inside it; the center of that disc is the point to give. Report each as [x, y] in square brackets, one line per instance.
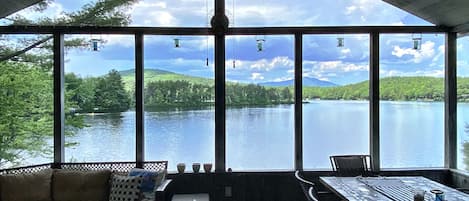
[392, 89]
[108, 93]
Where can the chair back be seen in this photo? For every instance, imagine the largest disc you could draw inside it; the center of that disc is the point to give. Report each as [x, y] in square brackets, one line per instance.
[307, 186]
[350, 165]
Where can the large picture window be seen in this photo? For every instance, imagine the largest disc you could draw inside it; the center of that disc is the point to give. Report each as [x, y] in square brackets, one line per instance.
[335, 97]
[259, 99]
[412, 100]
[179, 97]
[99, 85]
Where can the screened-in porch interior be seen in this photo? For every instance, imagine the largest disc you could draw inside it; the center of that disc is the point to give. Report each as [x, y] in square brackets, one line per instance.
[256, 89]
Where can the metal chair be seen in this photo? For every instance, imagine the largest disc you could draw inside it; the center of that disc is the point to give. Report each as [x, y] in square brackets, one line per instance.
[311, 193]
[351, 165]
[308, 187]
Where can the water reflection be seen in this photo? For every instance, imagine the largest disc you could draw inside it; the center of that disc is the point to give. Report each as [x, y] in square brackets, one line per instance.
[262, 137]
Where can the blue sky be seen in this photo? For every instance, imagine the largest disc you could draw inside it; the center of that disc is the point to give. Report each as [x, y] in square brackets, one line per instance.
[322, 58]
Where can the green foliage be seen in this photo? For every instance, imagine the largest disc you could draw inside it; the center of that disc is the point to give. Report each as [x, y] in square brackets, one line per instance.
[26, 94]
[391, 88]
[110, 95]
[100, 94]
[251, 94]
[26, 105]
[184, 93]
[178, 93]
[154, 75]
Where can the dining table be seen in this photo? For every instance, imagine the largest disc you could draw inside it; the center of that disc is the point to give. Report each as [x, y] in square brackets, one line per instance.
[395, 188]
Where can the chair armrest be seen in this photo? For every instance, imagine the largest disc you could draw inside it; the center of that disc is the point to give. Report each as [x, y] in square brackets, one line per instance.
[164, 185]
[161, 193]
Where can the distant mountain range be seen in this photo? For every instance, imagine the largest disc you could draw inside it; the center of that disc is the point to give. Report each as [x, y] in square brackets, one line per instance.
[152, 75]
[307, 81]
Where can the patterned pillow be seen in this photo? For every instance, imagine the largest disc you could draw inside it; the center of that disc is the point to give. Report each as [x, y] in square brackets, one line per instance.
[151, 179]
[125, 188]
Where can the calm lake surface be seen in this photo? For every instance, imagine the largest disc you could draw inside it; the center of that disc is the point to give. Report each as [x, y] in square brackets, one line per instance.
[262, 138]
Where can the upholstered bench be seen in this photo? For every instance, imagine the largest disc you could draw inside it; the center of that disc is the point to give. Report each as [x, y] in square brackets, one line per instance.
[78, 181]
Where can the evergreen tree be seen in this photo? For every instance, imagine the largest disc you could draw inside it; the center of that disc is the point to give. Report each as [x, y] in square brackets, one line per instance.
[26, 105]
[110, 95]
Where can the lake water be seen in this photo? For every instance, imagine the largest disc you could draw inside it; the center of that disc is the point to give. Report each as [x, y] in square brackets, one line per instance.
[262, 138]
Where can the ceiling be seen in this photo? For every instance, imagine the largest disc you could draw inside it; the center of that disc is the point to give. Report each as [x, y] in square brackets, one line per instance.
[11, 6]
[449, 13]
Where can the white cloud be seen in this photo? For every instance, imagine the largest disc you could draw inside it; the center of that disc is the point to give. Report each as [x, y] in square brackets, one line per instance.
[282, 61]
[162, 18]
[147, 13]
[281, 79]
[398, 73]
[427, 50]
[324, 70]
[256, 76]
[120, 40]
[335, 66]
[441, 53]
[260, 65]
[350, 9]
[276, 62]
[171, 13]
[345, 51]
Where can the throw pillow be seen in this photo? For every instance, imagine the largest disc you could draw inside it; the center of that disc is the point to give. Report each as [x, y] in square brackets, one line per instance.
[150, 179]
[125, 188]
[72, 185]
[26, 187]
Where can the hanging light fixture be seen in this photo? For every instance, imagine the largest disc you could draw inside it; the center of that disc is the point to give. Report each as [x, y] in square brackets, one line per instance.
[95, 44]
[177, 42]
[260, 43]
[340, 41]
[416, 41]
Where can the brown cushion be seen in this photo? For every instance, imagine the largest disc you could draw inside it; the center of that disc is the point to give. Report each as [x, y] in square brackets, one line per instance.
[71, 185]
[26, 187]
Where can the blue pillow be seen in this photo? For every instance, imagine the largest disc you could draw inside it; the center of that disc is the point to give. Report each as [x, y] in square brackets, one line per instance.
[148, 178]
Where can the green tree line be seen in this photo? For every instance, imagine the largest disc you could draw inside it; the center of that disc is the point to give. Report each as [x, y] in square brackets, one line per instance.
[392, 88]
[252, 94]
[185, 93]
[107, 94]
[101, 94]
